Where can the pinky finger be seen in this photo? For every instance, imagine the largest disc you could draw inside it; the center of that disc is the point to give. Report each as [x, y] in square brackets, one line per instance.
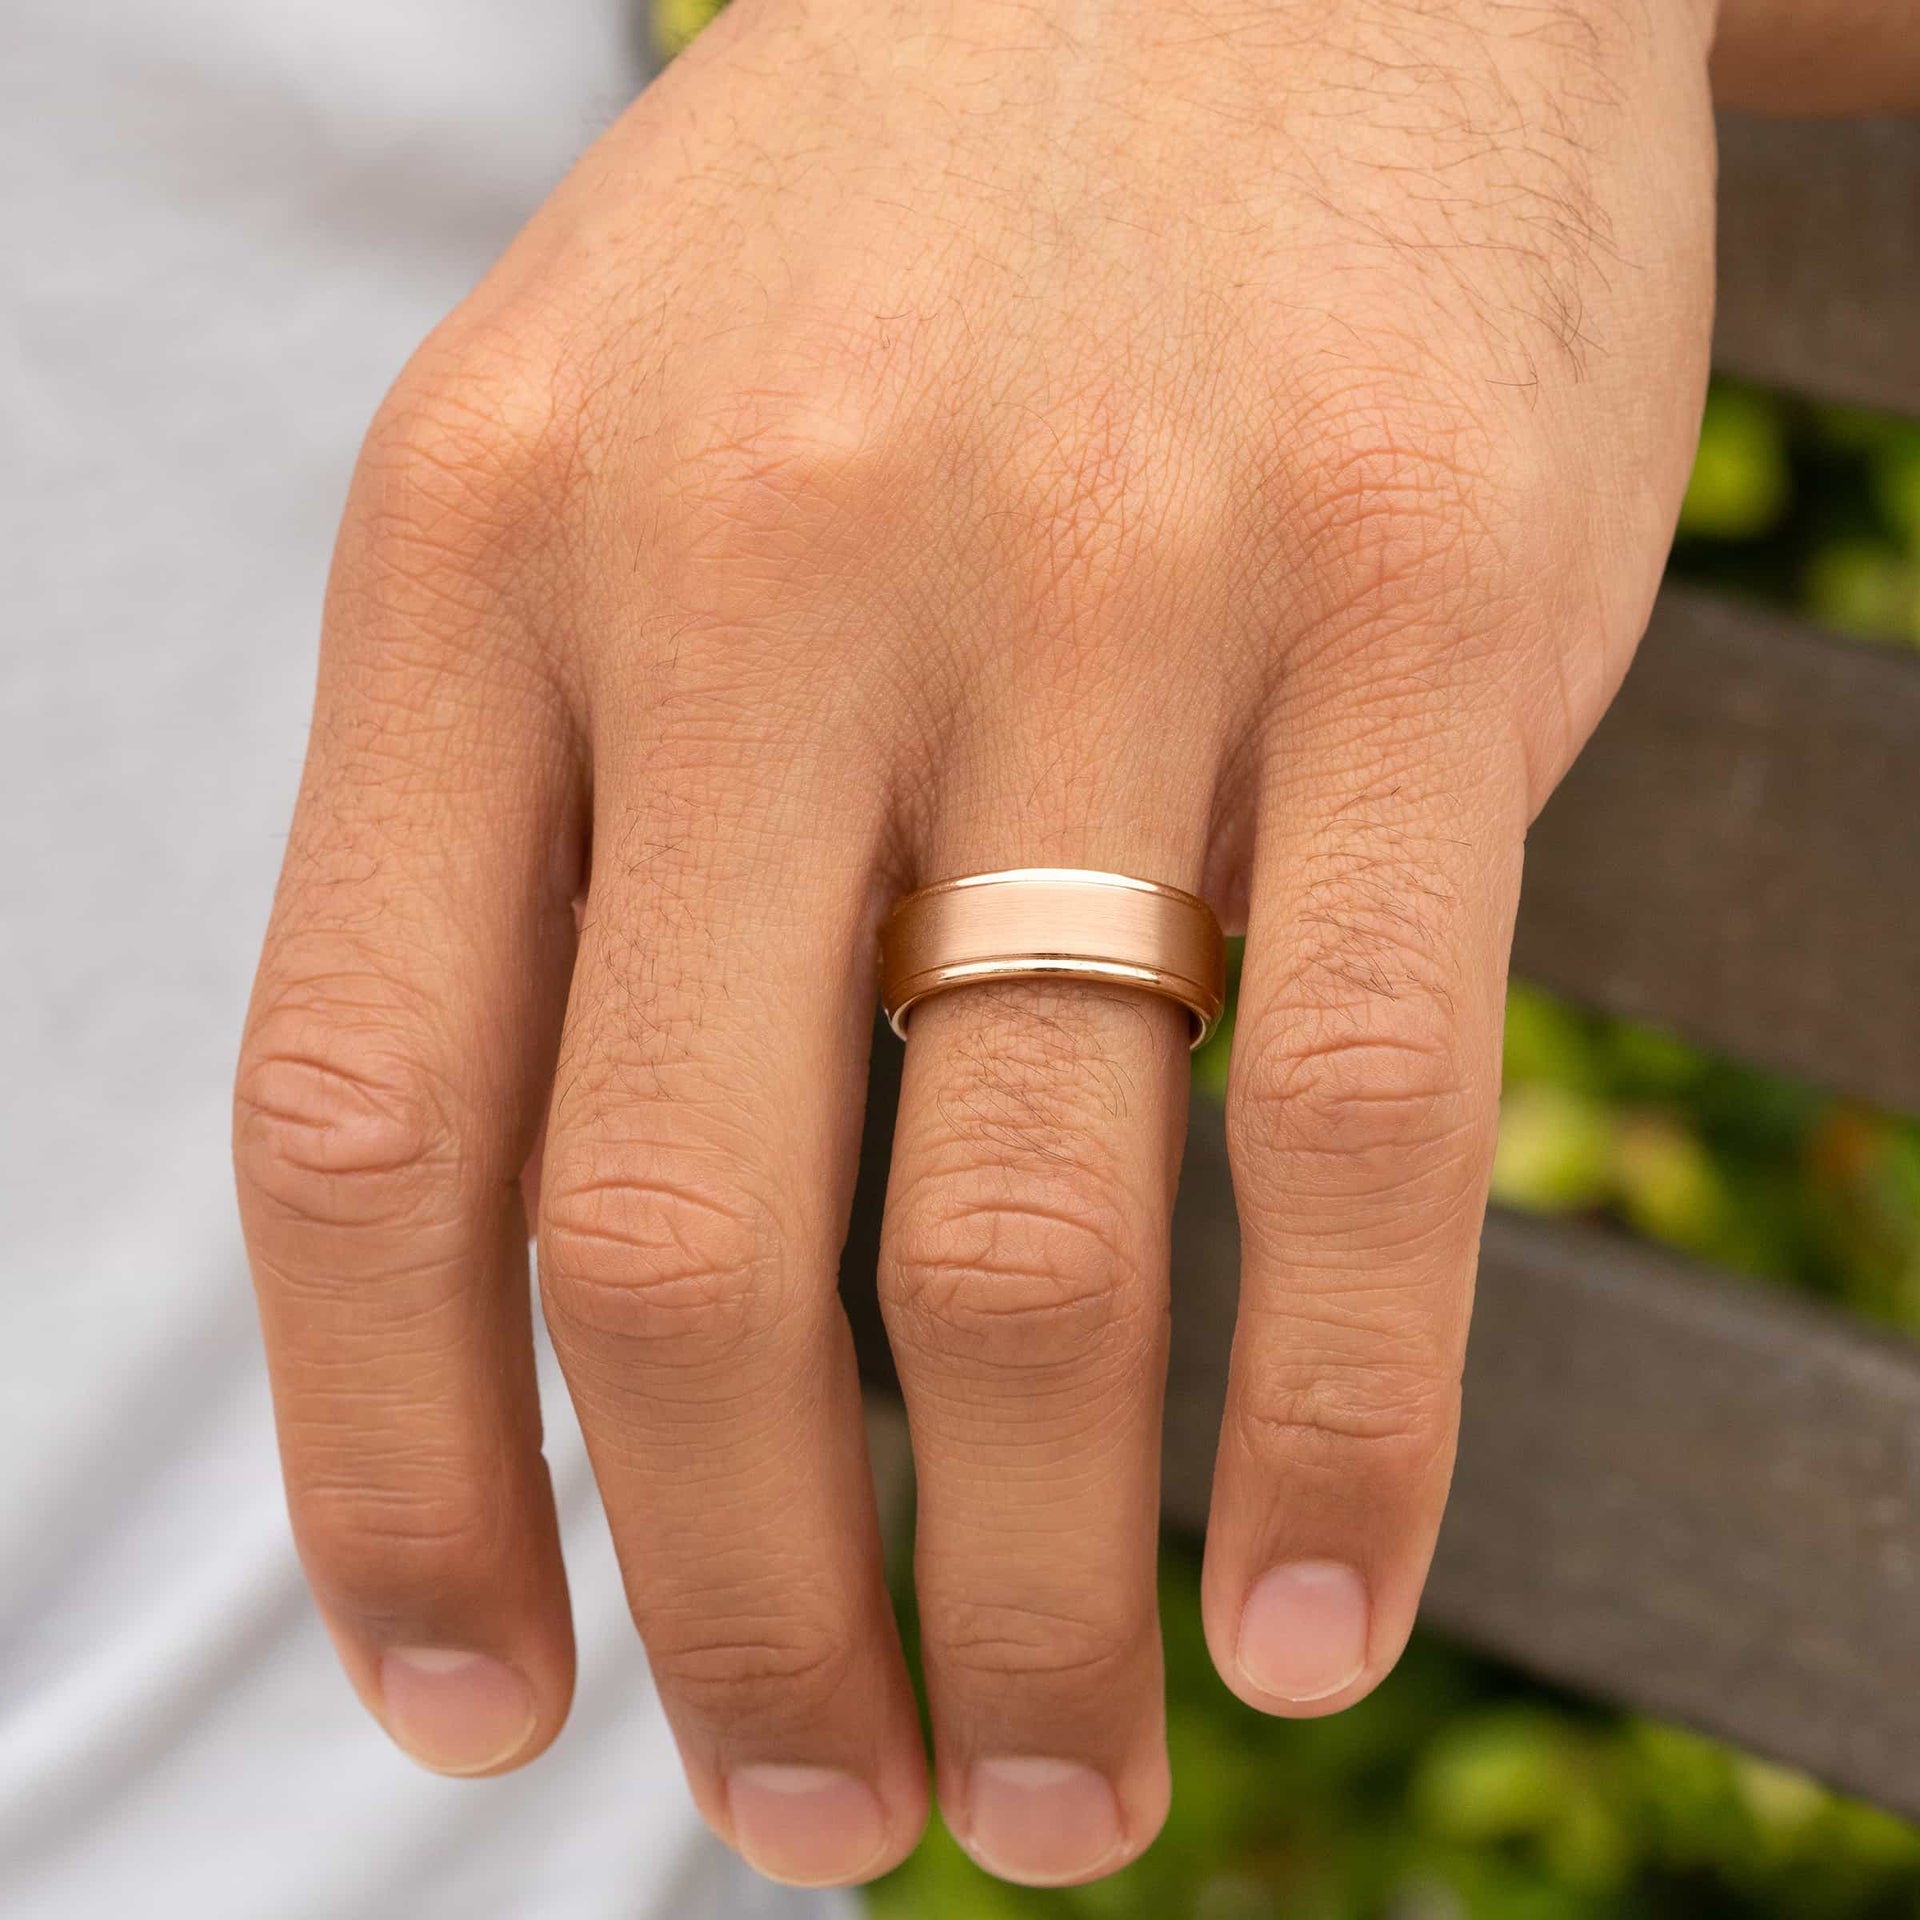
[1362, 1105]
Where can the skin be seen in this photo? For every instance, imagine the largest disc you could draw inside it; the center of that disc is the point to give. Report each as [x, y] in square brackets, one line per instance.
[1233, 444]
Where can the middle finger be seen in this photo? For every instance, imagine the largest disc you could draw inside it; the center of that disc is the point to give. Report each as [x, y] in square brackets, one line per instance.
[696, 1188]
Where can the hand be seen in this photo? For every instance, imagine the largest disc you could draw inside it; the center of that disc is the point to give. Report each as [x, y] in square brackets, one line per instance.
[1234, 445]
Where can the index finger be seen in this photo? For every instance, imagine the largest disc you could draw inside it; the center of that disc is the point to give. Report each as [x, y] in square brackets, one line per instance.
[399, 1041]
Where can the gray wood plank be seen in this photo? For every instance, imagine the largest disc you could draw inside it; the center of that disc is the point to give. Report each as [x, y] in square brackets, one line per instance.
[1696, 1496]
[1737, 853]
[1820, 257]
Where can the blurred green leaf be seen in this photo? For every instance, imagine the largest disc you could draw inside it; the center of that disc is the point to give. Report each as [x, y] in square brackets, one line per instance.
[1649, 1063]
[676, 24]
[1556, 1149]
[1741, 481]
[1865, 588]
[1896, 486]
[1547, 1040]
[1667, 1184]
[1497, 1776]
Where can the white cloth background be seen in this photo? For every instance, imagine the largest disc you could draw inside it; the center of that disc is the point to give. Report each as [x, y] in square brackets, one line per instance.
[226, 223]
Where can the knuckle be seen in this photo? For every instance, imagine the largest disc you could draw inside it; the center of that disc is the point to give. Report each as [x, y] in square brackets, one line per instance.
[651, 1254]
[1302, 1414]
[1013, 1282]
[773, 474]
[469, 461]
[1362, 1080]
[335, 1122]
[1004, 1640]
[401, 1548]
[769, 1671]
[1367, 1100]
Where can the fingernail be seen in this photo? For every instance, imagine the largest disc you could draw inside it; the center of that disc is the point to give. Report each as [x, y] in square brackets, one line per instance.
[808, 1826]
[1041, 1822]
[453, 1711]
[1303, 1635]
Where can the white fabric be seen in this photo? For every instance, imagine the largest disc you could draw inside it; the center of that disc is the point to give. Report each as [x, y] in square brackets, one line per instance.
[227, 222]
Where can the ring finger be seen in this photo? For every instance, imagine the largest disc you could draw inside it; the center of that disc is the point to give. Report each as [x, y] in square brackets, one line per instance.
[1024, 1279]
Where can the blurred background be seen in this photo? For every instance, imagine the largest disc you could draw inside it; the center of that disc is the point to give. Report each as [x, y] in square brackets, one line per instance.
[1463, 1790]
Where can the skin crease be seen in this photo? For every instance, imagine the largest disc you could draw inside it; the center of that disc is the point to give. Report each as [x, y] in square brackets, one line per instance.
[1236, 444]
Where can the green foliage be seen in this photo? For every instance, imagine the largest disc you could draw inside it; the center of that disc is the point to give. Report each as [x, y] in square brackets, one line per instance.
[1210, 1061]
[1865, 588]
[1740, 482]
[1768, 1178]
[675, 24]
[1813, 507]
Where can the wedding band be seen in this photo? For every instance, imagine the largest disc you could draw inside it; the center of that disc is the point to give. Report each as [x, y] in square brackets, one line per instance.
[1053, 923]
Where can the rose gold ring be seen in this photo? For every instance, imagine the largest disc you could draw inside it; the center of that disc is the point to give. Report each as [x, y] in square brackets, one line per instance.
[1053, 923]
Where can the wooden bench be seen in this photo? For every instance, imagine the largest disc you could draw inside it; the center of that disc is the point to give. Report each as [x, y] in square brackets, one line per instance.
[1684, 1493]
